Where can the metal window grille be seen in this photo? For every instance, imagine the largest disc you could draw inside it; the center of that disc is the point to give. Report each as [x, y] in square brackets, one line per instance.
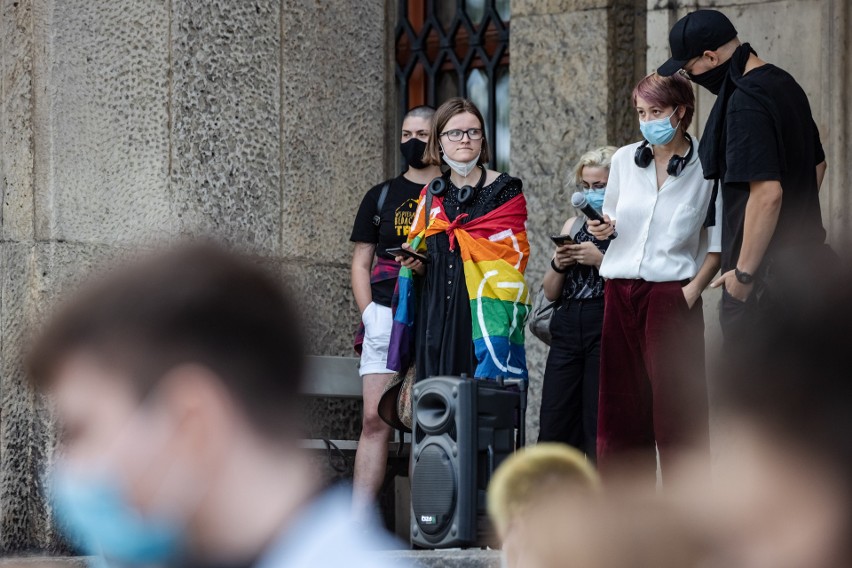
[448, 48]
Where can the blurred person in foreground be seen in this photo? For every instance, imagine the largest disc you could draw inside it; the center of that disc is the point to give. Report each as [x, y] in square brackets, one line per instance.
[784, 469]
[176, 385]
[525, 482]
[550, 511]
[634, 530]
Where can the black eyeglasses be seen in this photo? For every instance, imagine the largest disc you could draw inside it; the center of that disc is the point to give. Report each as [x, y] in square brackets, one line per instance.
[457, 135]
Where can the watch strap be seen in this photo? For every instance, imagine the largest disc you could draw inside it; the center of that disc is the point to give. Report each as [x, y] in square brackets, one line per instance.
[743, 277]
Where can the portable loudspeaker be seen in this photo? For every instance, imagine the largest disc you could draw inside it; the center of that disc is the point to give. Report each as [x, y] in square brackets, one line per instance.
[462, 430]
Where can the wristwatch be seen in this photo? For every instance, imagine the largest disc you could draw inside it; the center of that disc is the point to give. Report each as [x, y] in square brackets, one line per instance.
[743, 277]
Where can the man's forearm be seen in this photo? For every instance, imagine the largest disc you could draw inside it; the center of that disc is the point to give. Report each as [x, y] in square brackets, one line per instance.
[761, 218]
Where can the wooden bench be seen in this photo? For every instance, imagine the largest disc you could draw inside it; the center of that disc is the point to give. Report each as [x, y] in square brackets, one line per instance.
[337, 377]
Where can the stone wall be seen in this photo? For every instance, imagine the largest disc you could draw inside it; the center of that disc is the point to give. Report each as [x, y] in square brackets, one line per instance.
[261, 122]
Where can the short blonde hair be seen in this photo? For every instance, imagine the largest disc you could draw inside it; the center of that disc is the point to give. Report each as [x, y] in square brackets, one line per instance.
[597, 158]
[526, 474]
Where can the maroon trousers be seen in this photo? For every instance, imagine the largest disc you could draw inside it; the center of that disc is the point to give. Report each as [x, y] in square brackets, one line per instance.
[652, 382]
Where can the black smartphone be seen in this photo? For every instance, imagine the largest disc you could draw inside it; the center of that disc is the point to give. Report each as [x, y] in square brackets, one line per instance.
[399, 251]
[560, 240]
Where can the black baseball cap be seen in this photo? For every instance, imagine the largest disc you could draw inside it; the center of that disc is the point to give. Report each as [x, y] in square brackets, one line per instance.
[694, 34]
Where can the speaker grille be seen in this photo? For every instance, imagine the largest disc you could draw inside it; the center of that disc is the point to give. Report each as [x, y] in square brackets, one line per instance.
[433, 490]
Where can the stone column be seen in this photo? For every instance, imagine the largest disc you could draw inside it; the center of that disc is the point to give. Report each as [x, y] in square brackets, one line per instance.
[836, 123]
[262, 123]
[574, 64]
[334, 131]
[85, 163]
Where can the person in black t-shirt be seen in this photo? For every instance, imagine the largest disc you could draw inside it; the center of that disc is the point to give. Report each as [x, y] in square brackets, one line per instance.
[762, 145]
[382, 222]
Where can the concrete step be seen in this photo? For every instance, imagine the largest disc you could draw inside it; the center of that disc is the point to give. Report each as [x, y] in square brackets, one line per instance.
[453, 558]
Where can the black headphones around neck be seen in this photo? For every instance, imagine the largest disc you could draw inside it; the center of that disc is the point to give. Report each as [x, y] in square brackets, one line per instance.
[467, 193]
[645, 155]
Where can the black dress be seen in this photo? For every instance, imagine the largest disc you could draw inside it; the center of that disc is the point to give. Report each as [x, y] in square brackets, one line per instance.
[443, 326]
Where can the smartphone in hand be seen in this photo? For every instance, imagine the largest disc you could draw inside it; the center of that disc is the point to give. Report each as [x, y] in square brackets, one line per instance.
[560, 240]
[399, 251]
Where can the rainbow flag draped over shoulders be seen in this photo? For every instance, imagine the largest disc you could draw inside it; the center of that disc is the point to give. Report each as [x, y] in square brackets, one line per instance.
[401, 346]
[495, 251]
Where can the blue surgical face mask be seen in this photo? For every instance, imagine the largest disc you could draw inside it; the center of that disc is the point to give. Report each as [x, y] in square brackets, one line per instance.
[96, 515]
[660, 131]
[595, 197]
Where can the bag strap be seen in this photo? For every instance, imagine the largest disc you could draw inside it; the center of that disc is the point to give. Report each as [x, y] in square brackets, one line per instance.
[377, 218]
[428, 210]
[575, 228]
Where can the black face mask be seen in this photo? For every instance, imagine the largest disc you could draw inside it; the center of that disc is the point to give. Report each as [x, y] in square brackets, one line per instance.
[413, 151]
[713, 79]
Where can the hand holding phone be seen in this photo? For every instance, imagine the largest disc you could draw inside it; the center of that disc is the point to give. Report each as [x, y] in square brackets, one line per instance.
[560, 240]
[408, 253]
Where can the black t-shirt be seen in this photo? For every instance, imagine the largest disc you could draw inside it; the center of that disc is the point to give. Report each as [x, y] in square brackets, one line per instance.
[397, 215]
[752, 154]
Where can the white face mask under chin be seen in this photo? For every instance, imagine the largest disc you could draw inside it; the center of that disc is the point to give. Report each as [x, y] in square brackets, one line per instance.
[461, 168]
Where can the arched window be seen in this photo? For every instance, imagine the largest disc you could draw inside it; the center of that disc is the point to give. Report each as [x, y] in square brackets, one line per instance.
[448, 48]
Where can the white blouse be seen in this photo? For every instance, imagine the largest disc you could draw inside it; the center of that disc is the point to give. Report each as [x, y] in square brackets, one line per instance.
[661, 237]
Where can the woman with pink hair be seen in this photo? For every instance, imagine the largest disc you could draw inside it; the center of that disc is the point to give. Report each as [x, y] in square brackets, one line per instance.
[653, 392]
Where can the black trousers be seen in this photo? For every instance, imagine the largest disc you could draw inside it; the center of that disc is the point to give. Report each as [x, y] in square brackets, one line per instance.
[789, 277]
[569, 396]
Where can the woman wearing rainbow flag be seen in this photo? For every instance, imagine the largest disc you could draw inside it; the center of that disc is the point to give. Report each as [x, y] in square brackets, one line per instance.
[471, 223]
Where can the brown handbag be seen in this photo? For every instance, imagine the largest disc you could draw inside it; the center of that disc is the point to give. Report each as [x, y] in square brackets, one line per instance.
[395, 403]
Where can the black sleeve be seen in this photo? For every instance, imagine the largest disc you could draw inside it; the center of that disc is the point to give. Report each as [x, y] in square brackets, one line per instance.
[819, 152]
[363, 230]
[751, 150]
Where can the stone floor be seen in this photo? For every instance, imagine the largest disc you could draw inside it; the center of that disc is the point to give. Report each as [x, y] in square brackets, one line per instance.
[416, 558]
[454, 558]
[44, 562]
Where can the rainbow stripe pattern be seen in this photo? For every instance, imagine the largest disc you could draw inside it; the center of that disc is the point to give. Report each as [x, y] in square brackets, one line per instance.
[495, 251]
[401, 347]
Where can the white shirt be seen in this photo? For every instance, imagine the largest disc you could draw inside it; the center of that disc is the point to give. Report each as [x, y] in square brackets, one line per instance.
[325, 536]
[661, 237]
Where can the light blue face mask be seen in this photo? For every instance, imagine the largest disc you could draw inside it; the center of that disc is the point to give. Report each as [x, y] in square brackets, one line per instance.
[95, 514]
[660, 131]
[595, 197]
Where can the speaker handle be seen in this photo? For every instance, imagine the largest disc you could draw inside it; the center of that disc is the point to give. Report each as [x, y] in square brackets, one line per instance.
[490, 461]
[522, 389]
[522, 427]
